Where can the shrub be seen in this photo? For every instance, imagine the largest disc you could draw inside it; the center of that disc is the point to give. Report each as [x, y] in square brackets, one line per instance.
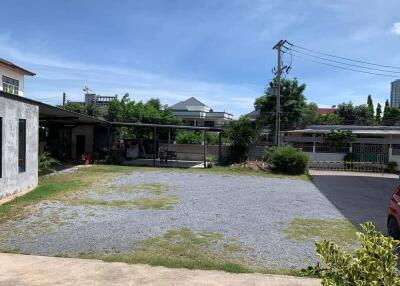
[391, 166]
[210, 161]
[374, 263]
[286, 160]
[240, 134]
[195, 137]
[46, 163]
[349, 157]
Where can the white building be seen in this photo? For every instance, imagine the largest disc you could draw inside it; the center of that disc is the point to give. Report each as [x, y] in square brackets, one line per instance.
[195, 113]
[378, 144]
[19, 124]
[12, 78]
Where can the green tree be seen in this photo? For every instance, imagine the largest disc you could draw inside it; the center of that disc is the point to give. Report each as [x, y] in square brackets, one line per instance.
[370, 109]
[361, 114]
[310, 114]
[346, 112]
[378, 115]
[391, 116]
[330, 119]
[386, 106]
[240, 134]
[75, 107]
[292, 105]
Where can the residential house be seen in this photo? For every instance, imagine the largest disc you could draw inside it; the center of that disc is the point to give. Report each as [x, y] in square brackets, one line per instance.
[19, 124]
[379, 144]
[195, 113]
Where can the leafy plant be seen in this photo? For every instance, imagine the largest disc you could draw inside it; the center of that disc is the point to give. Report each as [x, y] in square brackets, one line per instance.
[46, 163]
[241, 134]
[374, 263]
[210, 160]
[339, 138]
[391, 166]
[287, 160]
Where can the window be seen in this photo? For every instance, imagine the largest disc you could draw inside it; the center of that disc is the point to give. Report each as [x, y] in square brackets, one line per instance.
[209, 123]
[10, 85]
[22, 146]
[1, 147]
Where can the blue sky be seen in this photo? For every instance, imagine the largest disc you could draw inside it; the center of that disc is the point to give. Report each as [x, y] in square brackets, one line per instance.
[218, 51]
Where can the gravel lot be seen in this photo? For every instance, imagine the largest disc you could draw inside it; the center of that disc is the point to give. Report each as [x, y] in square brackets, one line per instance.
[254, 210]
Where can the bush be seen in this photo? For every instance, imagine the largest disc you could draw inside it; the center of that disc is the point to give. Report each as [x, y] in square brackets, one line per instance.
[391, 166]
[374, 263]
[240, 134]
[46, 163]
[195, 137]
[286, 160]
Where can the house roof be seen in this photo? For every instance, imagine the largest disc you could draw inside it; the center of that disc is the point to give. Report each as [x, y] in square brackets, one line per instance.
[15, 68]
[367, 130]
[254, 114]
[182, 105]
[323, 110]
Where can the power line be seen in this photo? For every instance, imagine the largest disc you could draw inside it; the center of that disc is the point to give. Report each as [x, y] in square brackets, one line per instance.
[343, 58]
[343, 63]
[345, 68]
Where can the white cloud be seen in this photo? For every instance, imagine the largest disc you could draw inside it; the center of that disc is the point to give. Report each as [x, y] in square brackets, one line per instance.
[396, 28]
[56, 75]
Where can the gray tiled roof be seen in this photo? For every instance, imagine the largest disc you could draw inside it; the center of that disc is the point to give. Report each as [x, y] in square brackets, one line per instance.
[182, 105]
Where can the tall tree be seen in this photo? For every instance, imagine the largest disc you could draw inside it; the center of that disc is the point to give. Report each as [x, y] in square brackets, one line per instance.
[292, 105]
[370, 109]
[386, 106]
[378, 115]
[346, 112]
[310, 114]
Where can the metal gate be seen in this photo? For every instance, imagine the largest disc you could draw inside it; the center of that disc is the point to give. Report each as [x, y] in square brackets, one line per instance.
[377, 153]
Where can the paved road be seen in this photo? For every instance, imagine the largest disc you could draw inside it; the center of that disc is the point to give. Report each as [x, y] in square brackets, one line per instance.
[359, 198]
[21, 270]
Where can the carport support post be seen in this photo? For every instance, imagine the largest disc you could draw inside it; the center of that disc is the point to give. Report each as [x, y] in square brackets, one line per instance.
[205, 148]
[219, 146]
[154, 146]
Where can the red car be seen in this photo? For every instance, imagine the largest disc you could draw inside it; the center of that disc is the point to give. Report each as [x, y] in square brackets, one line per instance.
[394, 215]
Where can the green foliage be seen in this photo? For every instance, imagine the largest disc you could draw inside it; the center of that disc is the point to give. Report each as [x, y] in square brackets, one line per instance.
[210, 160]
[240, 134]
[374, 263]
[46, 163]
[391, 166]
[330, 119]
[287, 160]
[339, 138]
[391, 116]
[189, 137]
[292, 105]
[370, 109]
[310, 114]
[75, 107]
[125, 110]
[378, 116]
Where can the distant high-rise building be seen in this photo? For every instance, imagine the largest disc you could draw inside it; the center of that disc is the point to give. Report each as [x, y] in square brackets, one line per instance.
[395, 94]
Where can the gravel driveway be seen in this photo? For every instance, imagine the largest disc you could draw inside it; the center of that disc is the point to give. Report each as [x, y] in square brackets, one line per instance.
[253, 210]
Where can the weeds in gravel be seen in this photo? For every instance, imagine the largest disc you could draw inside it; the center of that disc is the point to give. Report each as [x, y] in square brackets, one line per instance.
[161, 202]
[340, 231]
[183, 248]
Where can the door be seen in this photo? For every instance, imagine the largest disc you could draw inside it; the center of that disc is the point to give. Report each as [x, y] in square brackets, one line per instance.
[80, 146]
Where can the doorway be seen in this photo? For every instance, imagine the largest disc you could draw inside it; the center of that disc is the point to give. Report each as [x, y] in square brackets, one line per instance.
[80, 146]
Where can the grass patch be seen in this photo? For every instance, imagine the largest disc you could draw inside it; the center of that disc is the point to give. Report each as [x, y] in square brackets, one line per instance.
[156, 189]
[340, 231]
[182, 248]
[162, 203]
[57, 186]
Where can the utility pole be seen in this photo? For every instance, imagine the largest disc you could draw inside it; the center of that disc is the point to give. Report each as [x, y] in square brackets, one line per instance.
[64, 99]
[277, 88]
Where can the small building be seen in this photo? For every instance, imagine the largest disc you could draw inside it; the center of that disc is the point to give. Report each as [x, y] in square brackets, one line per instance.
[326, 110]
[195, 113]
[19, 124]
[379, 144]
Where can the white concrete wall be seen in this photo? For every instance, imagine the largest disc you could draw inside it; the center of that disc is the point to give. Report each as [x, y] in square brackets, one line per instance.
[14, 75]
[194, 152]
[12, 181]
[325, 156]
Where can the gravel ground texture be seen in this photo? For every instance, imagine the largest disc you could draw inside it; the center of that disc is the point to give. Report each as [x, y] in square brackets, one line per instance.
[253, 210]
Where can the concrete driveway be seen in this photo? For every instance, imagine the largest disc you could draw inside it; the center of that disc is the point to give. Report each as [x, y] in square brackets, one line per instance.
[358, 197]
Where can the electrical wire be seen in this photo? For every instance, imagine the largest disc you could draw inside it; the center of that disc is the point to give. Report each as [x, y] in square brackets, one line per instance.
[343, 63]
[343, 58]
[345, 68]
